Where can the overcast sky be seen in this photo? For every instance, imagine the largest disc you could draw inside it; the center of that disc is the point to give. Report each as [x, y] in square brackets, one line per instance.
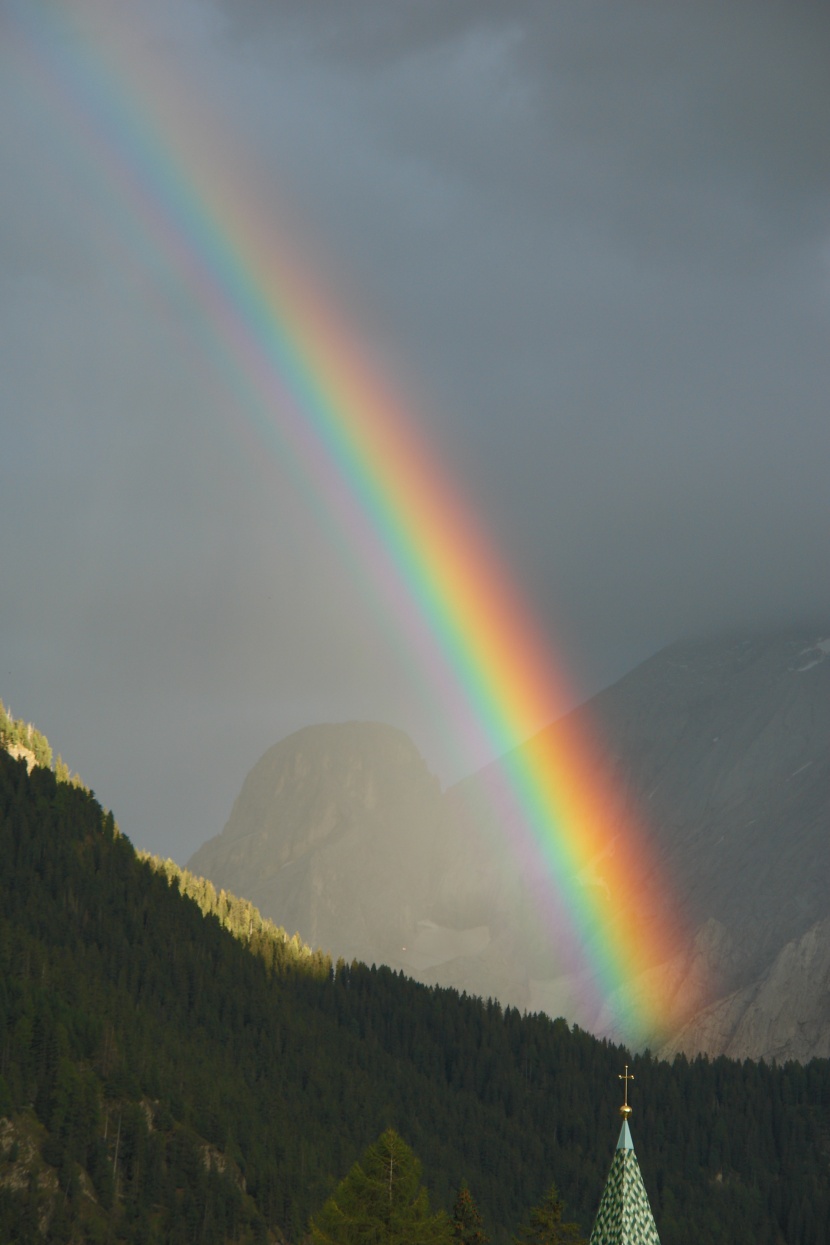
[592, 237]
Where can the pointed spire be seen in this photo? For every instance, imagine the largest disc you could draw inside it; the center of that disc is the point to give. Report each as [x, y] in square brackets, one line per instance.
[625, 1142]
[624, 1216]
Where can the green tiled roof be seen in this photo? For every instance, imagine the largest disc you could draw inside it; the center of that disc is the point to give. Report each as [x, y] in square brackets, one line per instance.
[624, 1216]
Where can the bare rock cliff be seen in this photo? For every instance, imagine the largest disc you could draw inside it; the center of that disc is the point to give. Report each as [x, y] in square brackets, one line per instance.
[783, 1014]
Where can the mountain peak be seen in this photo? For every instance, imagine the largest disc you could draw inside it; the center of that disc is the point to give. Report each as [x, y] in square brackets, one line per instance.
[324, 814]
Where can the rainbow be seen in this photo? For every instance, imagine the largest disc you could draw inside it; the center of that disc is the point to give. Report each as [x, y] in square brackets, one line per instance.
[311, 391]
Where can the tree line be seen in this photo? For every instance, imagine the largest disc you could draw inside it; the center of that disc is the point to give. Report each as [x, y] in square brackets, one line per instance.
[173, 1068]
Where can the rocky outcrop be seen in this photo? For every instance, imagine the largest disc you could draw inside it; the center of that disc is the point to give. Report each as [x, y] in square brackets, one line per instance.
[784, 1014]
[20, 753]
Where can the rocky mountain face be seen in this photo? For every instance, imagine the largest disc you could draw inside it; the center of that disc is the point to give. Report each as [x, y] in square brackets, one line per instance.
[336, 834]
[723, 751]
[726, 748]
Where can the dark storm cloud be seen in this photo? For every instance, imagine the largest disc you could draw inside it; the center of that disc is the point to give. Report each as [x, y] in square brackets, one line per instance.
[594, 238]
[629, 209]
[711, 93]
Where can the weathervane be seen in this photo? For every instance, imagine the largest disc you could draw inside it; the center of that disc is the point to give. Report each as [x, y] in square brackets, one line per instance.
[625, 1077]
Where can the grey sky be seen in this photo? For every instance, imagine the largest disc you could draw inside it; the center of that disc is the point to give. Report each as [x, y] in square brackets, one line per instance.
[597, 239]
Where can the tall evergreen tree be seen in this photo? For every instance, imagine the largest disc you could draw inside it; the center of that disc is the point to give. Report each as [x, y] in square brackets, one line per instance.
[467, 1223]
[382, 1202]
[544, 1226]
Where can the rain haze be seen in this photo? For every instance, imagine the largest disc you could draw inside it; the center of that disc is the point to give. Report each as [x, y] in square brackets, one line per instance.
[590, 244]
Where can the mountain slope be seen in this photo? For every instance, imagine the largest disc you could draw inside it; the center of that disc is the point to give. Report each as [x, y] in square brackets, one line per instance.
[725, 747]
[783, 1014]
[722, 749]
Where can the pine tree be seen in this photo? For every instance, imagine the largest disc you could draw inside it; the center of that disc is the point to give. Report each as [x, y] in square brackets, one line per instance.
[467, 1223]
[382, 1202]
[544, 1226]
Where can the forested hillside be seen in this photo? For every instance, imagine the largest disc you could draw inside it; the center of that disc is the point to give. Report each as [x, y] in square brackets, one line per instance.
[165, 1079]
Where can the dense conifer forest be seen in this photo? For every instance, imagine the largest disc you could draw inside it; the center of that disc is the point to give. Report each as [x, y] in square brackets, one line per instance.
[174, 1069]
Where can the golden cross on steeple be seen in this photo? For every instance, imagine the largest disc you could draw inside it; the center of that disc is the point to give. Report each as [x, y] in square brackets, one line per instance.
[625, 1077]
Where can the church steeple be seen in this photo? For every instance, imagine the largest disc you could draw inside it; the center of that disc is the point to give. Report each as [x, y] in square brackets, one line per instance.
[624, 1216]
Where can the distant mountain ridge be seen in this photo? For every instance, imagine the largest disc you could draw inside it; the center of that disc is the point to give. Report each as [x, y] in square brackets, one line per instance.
[723, 750]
